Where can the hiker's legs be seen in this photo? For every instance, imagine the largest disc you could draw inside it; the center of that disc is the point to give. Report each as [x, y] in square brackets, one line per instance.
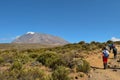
[115, 55]
[105, 65]
[110, 49]
[105, 62]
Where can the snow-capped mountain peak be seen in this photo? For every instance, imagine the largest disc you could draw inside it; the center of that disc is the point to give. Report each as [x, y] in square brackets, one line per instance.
[35, 37]
[30, 33]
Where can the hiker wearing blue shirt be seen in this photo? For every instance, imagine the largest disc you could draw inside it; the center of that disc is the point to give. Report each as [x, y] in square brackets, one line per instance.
[105, 54]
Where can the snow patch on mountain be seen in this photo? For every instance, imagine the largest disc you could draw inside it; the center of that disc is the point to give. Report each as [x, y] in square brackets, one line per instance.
[30, 32]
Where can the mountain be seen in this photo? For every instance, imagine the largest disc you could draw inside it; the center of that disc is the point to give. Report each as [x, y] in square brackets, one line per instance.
[33, 37]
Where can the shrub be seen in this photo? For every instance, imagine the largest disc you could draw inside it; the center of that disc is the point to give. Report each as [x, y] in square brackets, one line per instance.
[109, 42]
[83, 66]
[81, 75]
[60, 74]
[8, 57]
[23, 58]
[68, 57]
[85, 47]
[82, 42]
[32, 74]
[23, 74]
[16, 65]
[50, 59]
[1, 60]
[33, 55]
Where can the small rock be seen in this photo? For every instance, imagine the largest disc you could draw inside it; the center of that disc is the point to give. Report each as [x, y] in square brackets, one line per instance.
[76, 77]
[109, 63]
[115, 70]
[109, 66]
[10, 61]
[89, 75]
[115, 66]
[118, 60]
[93, 69]
[36, 64]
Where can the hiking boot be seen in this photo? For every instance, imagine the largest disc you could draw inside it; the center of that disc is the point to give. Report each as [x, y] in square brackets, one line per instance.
[105, 65]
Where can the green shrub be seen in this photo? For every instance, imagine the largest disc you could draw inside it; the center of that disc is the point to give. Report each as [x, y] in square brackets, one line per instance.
[24, 74]
[23, 58]
[82, 42]
[16, 65]
[81, 75]
[9, 75]
[67, 58]
[83, 66]
[58, 62]
[1, 60]
[50, 59]
[33, 55]
[8, 57]
[109, 42]
[60, 74]
[32, 74]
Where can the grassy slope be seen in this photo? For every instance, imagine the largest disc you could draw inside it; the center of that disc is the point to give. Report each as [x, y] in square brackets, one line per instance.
[28, 53]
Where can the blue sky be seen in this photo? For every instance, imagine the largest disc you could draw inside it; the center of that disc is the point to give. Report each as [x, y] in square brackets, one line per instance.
[73, 20]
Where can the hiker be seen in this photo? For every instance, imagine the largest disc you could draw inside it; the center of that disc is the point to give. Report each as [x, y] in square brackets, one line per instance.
[105, 54]
[111, 46]
[115, 52]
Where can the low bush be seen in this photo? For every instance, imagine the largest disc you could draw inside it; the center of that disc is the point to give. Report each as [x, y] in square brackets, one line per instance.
[60, 74]
[1, 60]
[32, 74]
[24, 74]
[33, 55]
[84, 66]
[16, 65]
[51, 60]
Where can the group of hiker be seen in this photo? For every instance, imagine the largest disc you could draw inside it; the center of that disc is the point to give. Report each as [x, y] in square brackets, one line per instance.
[106, 51]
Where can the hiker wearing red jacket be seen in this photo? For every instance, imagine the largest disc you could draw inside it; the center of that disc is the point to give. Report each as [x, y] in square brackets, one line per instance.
[105, 54]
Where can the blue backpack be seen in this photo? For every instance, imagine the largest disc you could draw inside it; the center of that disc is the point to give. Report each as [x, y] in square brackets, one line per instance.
[105, 53]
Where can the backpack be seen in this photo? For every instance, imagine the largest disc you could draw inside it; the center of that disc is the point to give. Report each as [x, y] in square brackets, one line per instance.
[114, 50]
[105, 53]
[113, 46]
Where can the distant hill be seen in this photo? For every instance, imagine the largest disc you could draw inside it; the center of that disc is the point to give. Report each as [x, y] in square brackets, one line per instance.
[33, 37]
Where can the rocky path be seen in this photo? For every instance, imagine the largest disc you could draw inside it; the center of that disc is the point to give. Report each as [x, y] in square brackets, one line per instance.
[98, 73]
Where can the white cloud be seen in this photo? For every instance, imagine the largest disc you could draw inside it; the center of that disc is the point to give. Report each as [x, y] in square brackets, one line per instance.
[5, 40]
[8, 40]
[115, 39]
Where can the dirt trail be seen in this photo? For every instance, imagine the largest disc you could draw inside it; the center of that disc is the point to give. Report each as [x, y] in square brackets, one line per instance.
[98, 73]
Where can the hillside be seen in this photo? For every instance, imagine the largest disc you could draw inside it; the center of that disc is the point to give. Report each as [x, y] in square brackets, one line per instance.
[78, 61]
[22, 46]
